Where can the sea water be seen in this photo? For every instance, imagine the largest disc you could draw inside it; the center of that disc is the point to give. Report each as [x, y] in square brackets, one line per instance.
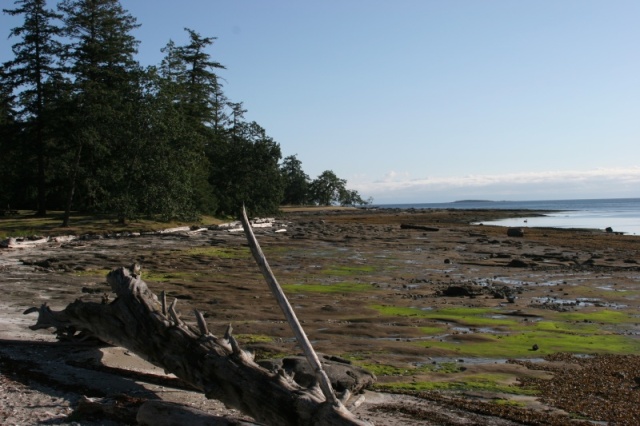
[619, 214]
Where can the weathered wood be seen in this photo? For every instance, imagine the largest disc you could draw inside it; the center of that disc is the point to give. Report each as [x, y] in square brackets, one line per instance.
[288, 312]
[216, 366]
[419, 227]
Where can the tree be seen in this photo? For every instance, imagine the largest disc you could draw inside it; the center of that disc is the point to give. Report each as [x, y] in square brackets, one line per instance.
[326, 189]
[189, 78]
[192, 70]
[350, 197]
[163, 160]
[35, 63]
[329, 189]
[296, 181]
[244, 170]
[100, 59]
[8, 152]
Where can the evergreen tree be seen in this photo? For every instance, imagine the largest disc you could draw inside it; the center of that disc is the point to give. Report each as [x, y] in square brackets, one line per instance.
[100, 59]
[8, 152]
[245, 171]
[296, 181]
[35, 63]
[190, 79]
[191, 69]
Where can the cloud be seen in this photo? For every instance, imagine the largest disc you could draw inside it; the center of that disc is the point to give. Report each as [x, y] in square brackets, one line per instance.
[568, 184]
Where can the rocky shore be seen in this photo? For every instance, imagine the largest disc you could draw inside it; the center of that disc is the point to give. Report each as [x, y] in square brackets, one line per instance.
[462, 323]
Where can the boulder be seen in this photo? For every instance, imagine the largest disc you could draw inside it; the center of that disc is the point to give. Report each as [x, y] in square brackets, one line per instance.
[515, 232]
[342, 374]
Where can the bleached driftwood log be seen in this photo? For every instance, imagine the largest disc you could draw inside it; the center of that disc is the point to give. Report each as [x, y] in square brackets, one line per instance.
[214, 365]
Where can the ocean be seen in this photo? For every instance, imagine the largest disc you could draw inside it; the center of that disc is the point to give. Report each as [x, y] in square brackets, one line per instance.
[620, 214]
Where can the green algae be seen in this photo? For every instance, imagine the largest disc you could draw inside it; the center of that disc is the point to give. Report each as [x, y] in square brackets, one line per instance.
[432, 331]
[220, 252]
[509, 403]
[605, 316]
[547, 341]
[346, 270]
[458, 385]
[572, 332]
[253, 338]
[341, 287]
[473, 317]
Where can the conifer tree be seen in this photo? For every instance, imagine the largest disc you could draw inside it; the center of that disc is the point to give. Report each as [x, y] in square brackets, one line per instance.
[101, 62]
[35, 63]
[296, 181]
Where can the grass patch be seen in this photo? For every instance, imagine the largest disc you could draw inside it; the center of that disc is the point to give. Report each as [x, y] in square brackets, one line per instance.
[341, 287]
[348, 270]
[27, 224]
[605, 316]
[381, 370]
[520, 345]
[509, 403]
[473, 317]
[253, 338]
[432, 331]
[459, 386]
[220, 252]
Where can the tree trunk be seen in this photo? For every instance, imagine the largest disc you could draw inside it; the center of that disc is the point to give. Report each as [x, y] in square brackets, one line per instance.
[139, 321]
[72, 185]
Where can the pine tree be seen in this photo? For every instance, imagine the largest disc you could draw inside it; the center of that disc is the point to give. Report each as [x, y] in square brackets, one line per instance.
[101, 62]
[296, 181]
[36, 62]
[190, 79]
[191, 69]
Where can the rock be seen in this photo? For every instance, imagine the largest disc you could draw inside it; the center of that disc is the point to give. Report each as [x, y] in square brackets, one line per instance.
[517, 263]
[609, 229]
[342, 374]
[515, 232]
[463, 290]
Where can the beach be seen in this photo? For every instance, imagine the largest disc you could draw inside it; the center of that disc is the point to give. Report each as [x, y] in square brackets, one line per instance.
[459, 321]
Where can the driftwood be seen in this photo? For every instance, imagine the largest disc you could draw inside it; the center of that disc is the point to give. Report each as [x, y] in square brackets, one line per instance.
[419, 227]
[214, 365]
[141, 322]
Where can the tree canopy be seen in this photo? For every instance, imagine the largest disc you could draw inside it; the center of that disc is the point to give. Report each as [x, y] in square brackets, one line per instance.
[84, 126]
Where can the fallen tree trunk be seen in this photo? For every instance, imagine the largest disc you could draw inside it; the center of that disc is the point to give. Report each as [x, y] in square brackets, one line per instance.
[139, 321]
[419, 227]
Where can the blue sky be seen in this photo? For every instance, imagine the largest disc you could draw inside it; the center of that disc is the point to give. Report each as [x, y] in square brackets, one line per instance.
[429, 101]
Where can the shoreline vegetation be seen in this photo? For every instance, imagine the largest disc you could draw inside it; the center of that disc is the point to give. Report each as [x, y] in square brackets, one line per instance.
[461, 317]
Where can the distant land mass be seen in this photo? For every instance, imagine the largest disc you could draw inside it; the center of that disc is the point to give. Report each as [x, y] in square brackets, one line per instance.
[474, 201]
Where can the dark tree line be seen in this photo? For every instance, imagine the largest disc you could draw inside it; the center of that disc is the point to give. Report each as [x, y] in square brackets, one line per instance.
[83, 126]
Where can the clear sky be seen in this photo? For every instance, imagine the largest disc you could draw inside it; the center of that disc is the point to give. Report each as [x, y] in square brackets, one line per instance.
[424, 100]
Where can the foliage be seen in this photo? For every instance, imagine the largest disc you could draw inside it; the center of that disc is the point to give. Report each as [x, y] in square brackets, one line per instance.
[83, 126]
[244, 170]
[296, 182]
[35, 64]
[328, 189]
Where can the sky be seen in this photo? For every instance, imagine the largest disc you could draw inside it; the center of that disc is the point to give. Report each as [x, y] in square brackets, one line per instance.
[419, 101]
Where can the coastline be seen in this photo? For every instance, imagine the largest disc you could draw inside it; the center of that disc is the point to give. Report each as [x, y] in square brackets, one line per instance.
[430, 309]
